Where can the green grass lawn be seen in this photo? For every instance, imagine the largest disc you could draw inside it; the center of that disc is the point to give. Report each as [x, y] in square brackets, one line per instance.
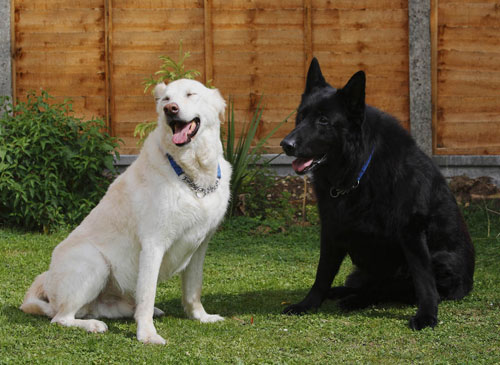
[249, 278]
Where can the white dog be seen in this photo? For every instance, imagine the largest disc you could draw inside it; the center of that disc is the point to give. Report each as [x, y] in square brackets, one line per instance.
[155, 221]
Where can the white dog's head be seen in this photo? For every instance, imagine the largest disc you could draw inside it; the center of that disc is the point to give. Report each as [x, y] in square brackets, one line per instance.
[188, 108]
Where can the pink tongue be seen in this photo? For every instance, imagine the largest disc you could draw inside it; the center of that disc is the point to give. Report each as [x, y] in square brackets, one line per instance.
[181, 133]
[301, 164]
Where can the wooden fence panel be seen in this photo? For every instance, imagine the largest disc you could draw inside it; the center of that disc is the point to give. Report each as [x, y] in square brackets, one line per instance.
[141, 32]
[100, 51]
[59, 46]
[466, 94]
[366, 35]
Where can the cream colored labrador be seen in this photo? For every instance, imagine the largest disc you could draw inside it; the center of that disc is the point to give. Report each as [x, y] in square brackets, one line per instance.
[155, 221]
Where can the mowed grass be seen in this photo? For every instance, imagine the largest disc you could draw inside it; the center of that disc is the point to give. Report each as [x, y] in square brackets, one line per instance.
[249, 278]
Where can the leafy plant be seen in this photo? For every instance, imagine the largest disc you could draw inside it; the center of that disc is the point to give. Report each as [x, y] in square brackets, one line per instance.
[142, 130]
[51, 163]
[170, 70]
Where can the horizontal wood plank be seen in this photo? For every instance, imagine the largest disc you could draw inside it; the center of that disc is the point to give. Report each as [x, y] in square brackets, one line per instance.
[58, 4]
[68, 21]
[466, 14]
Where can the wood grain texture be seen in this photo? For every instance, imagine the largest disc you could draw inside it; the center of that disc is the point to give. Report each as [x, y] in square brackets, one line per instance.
[252, 50]
[60, 47]
[467, 97]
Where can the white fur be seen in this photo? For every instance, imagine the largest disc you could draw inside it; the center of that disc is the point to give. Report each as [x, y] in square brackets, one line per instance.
[149, 226]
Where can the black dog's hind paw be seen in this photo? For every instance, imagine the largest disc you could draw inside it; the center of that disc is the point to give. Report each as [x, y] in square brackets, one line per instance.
[339, 292]
[296, 309]
[353, 302]
[419, 322]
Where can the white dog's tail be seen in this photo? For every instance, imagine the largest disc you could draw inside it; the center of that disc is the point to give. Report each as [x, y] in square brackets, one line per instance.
[35, 301]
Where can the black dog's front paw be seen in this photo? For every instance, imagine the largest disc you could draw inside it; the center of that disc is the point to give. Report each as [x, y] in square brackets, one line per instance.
[421, 321]
[296, 309]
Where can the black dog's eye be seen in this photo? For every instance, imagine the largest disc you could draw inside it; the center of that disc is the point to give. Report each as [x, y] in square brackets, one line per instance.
[323, 120]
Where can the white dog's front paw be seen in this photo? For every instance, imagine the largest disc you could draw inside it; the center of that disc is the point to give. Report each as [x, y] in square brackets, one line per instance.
[151, 338]
[147, 334]
[210, 318]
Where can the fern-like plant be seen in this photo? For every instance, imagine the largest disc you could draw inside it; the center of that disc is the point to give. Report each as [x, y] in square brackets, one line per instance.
[170, 70]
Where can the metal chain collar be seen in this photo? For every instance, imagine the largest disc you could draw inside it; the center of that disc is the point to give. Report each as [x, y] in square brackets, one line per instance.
[200, 191]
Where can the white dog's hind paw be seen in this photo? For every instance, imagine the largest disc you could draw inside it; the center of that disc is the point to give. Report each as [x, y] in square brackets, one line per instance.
[95, 326]
[89, 325]
[210, 318]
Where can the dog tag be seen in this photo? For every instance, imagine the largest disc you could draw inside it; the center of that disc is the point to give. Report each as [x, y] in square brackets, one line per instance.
[200, 194]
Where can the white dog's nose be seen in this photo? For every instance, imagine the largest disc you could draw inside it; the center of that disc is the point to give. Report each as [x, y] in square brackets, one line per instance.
[171, 108]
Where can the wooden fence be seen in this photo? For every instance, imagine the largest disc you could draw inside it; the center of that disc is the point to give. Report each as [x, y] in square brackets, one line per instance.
[98, 52]
[466, 76]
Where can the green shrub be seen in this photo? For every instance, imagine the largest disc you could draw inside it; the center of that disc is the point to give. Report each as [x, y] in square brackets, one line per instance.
[51, 163]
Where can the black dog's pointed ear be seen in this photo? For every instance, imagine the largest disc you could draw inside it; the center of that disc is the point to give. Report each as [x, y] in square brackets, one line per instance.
[354, 93]
[314, 76]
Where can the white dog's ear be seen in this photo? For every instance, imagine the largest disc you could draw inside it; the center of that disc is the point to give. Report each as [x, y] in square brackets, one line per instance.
[159, 91]
[218, 102]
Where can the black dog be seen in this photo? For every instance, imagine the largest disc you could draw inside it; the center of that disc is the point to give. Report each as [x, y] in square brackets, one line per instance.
[382, 201]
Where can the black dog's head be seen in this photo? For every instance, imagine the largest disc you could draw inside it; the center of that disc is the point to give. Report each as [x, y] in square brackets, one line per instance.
[327, 119]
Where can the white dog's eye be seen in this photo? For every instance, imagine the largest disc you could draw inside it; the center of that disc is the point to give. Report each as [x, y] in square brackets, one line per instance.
[166, 98]
[190, 94]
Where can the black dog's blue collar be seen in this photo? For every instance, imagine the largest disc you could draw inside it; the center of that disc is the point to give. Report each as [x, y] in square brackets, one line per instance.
[335, 193]
[365, 166]
[200, 191]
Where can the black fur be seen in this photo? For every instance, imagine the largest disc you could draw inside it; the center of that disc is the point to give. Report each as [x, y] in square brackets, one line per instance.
[401, 225]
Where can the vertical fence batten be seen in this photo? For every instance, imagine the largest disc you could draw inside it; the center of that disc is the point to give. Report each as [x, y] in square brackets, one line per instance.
[308, 42]
[434, 70]
[208, 40]
[108, 6]
[13, 49]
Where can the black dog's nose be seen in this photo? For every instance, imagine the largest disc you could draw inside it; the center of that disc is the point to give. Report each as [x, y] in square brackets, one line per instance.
[171, 109]
[288, 146]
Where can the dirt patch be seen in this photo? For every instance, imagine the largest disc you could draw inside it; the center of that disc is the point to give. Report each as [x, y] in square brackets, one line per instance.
[295, 185]
[467, 189]
[464, 188]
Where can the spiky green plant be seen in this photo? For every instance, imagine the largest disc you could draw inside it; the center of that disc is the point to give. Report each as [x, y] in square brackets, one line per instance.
[240, 153]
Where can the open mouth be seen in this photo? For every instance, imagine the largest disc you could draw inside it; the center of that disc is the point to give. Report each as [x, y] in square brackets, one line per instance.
[304, 165]
[183, 131]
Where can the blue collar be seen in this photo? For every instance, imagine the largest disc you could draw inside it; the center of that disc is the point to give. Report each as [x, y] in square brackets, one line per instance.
[179, 171]
[335, 193]
[365, 166]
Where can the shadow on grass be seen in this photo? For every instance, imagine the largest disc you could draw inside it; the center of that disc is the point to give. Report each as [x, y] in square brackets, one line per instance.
[264, 302]
[273, 302]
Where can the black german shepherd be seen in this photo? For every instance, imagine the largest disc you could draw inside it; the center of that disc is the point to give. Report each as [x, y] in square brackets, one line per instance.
[382, 201]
